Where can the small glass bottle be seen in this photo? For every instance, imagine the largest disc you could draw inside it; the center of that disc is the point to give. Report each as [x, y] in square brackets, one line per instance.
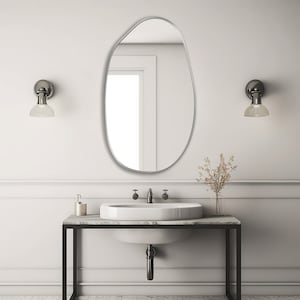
[80, 208]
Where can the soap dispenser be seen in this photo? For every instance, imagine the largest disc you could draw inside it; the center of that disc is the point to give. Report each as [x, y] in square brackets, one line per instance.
[80, 208]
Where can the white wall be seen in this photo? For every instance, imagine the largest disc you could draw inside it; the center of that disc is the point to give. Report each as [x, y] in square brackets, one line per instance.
[43, 163]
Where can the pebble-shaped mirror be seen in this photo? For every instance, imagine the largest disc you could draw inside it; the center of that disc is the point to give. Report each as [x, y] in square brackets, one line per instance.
[149, 97]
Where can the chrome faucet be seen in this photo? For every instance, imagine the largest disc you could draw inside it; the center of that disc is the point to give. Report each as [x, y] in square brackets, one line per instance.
[149, 196]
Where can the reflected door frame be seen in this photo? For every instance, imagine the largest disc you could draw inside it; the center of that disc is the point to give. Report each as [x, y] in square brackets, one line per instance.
[145, 65]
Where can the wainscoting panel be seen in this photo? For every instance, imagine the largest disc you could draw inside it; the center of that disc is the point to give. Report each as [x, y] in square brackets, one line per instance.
[31, 242]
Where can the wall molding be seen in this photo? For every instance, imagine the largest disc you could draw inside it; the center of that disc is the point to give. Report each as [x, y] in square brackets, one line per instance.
[136, 288]
[141, 181]
[108, 199]
[133, 283]
[122, 189]
[46, 281]
[193, 275]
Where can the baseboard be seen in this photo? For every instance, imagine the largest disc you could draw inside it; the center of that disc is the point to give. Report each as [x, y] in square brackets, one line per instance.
[136, 288]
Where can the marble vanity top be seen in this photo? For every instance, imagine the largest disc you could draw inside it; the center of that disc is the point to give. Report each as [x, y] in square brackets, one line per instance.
[96, 220]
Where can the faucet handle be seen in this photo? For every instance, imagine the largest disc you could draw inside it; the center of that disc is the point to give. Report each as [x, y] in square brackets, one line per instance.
[135, 195]
[165, 195]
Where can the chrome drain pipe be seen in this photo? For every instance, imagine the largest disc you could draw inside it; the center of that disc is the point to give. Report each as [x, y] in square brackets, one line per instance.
[150, 253]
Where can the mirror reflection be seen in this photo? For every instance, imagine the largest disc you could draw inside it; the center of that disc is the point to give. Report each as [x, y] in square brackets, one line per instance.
[149, 101]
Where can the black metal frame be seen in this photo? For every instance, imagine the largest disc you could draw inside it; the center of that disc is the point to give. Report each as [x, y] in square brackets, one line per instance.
[227, 227]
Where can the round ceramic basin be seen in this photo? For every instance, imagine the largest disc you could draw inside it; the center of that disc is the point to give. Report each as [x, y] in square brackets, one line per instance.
[151, 212]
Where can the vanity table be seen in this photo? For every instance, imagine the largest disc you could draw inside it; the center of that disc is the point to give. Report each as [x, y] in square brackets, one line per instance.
[228, 224]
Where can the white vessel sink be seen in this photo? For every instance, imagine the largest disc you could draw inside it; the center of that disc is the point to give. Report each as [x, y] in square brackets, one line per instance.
[151, 212]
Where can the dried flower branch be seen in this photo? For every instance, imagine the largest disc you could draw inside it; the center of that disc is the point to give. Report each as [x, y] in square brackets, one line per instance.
[218, 176]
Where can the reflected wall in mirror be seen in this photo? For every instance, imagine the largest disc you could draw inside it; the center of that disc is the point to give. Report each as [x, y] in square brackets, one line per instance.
[149, 97]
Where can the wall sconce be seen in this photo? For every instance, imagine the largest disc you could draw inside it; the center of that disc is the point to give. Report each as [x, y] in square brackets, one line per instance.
[255, 90]
[44, 91]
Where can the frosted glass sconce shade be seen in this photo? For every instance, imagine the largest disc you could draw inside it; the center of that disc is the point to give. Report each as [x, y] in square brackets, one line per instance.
[44, 90]
[42, 110]
[255, 110]
[255, 90]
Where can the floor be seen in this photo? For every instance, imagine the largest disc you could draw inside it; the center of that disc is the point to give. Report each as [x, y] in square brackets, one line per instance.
[149, 298]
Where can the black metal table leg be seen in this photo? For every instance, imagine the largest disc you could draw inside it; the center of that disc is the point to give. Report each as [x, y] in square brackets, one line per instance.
[64, 263]
[75, 261]
[238, 263]
[227, 254]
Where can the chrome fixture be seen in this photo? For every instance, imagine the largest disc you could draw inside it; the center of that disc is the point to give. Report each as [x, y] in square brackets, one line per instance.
[135, 195]
[150, 253]
[44, 91]
[255, 90]
[149, 196]
[165, 195]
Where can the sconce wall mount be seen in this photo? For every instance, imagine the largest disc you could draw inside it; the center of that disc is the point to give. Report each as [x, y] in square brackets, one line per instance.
[255, 89]
[44, 86]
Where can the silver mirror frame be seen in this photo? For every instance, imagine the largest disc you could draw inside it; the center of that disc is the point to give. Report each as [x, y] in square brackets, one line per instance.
[103, 106]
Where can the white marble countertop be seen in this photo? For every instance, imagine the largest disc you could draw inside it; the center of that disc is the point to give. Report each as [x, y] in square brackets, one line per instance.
[96, 220]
